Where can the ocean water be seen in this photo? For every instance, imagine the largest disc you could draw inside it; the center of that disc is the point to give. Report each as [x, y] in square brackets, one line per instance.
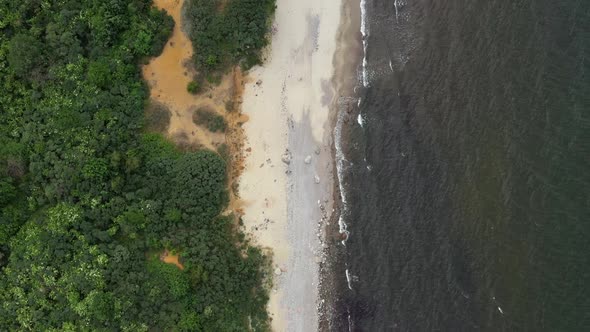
[465, 168]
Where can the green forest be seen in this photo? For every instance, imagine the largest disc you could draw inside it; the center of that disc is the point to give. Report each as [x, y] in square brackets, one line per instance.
[90, 197]
[227, 33]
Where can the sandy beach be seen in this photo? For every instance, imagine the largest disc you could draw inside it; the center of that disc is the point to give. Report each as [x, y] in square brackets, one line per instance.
[287, 182]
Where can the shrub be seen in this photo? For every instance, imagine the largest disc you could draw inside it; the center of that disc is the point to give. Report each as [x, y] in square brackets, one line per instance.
[193, 87]
[229, 106]
[157, 118]
[212, 121]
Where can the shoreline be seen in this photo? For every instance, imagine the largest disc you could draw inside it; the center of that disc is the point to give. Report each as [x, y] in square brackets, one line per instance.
[344, 80]
[287, 184]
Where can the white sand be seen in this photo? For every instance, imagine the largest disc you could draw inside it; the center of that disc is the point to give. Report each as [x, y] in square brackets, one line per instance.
[289, 110]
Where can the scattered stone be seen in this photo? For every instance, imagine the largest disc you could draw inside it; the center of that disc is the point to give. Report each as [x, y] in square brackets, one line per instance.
[278, 271]
[317, 179]
[259, 82]
[286, 158]
[308, 160]
[317, 151]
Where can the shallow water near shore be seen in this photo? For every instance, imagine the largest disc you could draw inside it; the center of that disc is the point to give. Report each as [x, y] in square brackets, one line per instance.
[465, 169]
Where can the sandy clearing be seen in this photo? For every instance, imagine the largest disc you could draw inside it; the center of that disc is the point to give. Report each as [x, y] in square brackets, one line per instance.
[168, 76]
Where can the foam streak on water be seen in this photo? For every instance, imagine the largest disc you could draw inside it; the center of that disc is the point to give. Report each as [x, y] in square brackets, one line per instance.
[365, 33]
[342, 164]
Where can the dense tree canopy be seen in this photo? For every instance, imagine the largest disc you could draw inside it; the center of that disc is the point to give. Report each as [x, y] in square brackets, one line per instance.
[89, 199]
[229, 31]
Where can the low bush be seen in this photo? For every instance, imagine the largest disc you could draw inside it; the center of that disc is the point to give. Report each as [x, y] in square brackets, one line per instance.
[193, 87]
[209, 119]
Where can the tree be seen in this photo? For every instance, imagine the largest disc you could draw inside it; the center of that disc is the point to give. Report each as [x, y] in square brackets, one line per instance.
[24, 54]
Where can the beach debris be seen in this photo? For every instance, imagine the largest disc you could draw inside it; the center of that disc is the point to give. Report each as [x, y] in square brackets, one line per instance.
[316, 179]
[317, 151]
[286, 158]
[259, 82]
[308, 159]
[278, 271]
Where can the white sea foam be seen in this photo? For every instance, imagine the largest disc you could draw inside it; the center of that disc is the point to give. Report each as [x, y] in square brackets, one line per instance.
[360, 120]
[341, 165]
[365, 33]
[364, 29]
[349, 321]
[348, 281]
[365, 72]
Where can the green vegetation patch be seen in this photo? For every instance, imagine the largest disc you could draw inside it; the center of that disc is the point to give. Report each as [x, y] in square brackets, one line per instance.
[193, 87]
[211, 120]
[157, 117]
[228, 32]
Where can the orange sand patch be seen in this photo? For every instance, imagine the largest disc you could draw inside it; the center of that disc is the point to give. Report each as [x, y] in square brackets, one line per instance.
[168, 258]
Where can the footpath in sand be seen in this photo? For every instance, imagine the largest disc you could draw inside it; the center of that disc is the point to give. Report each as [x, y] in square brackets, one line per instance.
[287, 183]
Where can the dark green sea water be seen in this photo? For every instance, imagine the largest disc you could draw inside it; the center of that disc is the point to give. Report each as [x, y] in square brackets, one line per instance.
[468, 184]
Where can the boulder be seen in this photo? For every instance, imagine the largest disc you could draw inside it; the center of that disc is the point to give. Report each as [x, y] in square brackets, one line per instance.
[286, 157]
